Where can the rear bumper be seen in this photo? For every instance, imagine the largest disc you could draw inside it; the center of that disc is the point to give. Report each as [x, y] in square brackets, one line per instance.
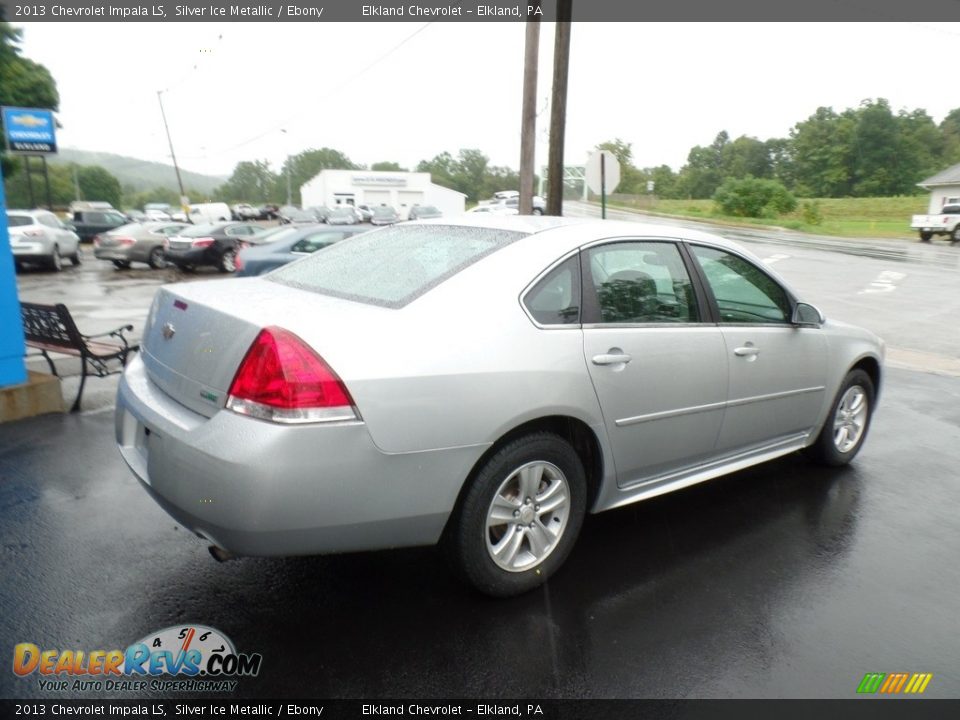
[200, 256]
[256, 488]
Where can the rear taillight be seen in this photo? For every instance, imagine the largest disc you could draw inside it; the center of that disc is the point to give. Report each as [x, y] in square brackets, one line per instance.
[202, 242]
[281, 379]
[125, 240]
[96, 241]
[238, 262]
[33, 233]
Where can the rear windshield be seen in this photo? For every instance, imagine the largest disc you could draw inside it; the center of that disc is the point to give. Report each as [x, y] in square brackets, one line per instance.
[19, 220]
[393, 266]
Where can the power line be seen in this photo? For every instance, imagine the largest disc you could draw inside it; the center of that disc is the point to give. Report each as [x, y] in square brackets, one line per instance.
[286, 121]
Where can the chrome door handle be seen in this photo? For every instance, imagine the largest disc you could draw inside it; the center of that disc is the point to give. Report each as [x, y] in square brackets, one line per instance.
[746, 351]
[611, 359]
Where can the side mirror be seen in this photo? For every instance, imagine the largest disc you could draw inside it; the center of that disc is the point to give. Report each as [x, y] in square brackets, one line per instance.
[806, 315]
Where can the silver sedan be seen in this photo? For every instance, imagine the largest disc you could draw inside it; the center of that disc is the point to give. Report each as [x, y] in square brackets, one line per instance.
[481, 383]
[136, 242]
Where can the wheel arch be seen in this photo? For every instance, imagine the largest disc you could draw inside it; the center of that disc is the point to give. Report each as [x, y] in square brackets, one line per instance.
[871, 366]
[581, 437]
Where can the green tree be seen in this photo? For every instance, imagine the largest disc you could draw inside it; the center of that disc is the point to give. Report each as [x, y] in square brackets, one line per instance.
[250, 182]
[632, 181]
[703, 173]
[96, 183]
[823, 147]
[305, 166]
[387, 166]
[23, 83]
[442, 169]
[950, 132]
[61, 186]
[754, 197]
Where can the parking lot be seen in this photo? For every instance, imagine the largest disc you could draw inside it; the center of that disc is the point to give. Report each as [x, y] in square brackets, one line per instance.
[784, 580]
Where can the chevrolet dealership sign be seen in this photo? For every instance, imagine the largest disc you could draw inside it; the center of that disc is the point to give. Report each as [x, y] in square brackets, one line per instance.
[29, 131]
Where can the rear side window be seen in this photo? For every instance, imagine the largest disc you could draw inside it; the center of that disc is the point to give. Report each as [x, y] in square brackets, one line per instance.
[394, 266]
[19, 220]
[555, 300]
[312, 243]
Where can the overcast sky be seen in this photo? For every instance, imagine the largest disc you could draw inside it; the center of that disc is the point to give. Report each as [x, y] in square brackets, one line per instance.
[406, 91]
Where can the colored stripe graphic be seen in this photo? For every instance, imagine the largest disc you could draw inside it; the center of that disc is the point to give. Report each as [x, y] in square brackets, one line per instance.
[894, 683]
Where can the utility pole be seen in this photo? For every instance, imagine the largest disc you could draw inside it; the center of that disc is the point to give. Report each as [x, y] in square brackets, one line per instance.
[528, 126]
[558, 107]
[173, 156]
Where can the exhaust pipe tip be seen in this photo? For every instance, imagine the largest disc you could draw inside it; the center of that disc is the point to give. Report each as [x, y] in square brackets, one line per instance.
[220, 555]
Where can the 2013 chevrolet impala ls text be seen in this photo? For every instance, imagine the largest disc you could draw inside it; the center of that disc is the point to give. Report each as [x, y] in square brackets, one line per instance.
[481, 383]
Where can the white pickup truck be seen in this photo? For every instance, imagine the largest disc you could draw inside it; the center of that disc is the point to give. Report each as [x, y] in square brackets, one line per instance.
[946, 222]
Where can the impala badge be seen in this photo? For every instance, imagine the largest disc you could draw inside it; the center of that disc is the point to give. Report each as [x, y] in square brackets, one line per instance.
[168, 331]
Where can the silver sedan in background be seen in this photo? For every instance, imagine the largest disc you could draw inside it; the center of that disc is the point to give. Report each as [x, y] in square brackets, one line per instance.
[136, 242]
[483, 384]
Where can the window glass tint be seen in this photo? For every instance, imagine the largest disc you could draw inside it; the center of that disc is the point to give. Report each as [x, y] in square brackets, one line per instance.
[555, 300]
[49, 220]
[94, 218]
[641, 282]
[393, 266]
[312, 243]
[116, 218]
[19, 220]
[744, 293]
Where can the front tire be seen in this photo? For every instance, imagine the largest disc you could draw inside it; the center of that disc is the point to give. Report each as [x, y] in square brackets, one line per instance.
[847, 423]
[77, 257]
[955, 235]
[520, 516]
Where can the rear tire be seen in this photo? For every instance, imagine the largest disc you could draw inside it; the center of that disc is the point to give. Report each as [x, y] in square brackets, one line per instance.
[520, 516]
[925, 236]
[955, 235]
[228, 263]
[56, 261]
[156, 259]
[847, 423]
[77, 257]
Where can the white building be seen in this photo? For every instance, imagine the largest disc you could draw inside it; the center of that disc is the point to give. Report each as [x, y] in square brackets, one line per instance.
[400, 190]
[944, 189]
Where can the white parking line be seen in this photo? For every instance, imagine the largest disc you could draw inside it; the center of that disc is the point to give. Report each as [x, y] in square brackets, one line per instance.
[885, 282]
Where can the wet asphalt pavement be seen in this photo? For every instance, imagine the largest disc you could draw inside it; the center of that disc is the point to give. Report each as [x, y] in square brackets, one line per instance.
[783, 581]
[786, 580]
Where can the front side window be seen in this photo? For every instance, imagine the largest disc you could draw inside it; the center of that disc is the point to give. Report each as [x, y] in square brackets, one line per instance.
[744, 293]
[641, 282]
[555, 300]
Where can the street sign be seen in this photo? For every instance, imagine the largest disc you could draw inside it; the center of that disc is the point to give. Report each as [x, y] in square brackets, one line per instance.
[611, 170]
[29, 131]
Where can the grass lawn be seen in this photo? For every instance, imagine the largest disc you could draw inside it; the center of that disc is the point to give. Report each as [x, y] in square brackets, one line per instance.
[842, 217]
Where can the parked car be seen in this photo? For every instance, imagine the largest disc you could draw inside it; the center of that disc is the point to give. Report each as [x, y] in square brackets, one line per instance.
[38, 236]
[267, 212]
[202, 213]
[320, 212]
[343, 215]
[539, 204]
[244, 211]
[392, 391]
[136, 242]
[156, 214]
[134, 215]
[423, 212]
[364, 212]
[214, 245]
[299, 217]
[496, 209]
[89, 223]
[289, 244]
[384, 215]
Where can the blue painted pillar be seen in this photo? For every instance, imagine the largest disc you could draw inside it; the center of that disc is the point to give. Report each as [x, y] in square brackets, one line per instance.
[12, 369]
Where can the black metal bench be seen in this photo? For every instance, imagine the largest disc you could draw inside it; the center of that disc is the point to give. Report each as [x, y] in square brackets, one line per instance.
[50, 328]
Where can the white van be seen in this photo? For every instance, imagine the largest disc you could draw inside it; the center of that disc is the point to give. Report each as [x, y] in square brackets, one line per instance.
[204, 213]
